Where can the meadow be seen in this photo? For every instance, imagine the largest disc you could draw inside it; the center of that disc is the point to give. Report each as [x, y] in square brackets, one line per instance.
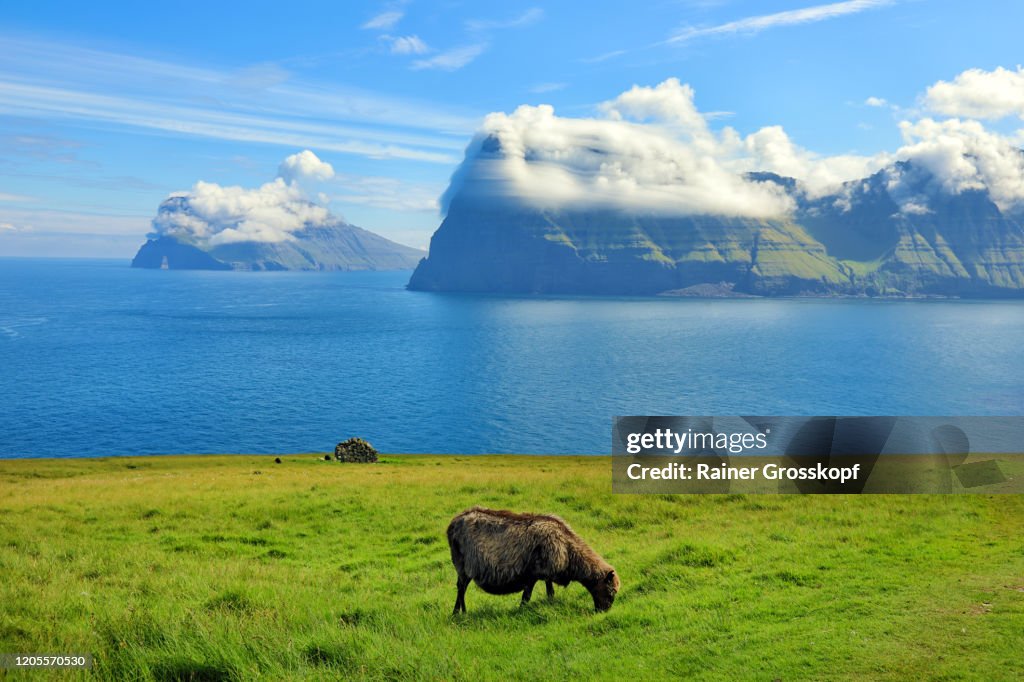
[236, 568]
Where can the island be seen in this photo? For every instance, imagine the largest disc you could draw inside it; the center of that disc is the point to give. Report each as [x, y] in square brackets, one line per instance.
[897, 233]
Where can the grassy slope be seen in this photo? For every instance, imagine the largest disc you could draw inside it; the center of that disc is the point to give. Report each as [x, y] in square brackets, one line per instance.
[166, 567]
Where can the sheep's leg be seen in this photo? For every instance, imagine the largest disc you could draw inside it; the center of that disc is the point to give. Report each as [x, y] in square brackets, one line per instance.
[460, 599]
[550, 588]
[528, 592]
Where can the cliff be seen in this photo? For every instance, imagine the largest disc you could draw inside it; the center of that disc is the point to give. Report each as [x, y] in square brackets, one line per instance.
[860, 240]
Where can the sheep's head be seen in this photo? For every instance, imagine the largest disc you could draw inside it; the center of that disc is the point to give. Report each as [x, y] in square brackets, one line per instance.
[605, 589]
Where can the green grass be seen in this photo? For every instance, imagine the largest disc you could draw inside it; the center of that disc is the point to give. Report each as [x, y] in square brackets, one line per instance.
[211, 568]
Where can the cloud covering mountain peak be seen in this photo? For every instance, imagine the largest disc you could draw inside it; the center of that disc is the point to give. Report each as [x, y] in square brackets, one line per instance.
[651, 150]
[210, 214]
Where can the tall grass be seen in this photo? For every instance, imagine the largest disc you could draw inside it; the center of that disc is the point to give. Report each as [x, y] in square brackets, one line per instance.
[231, 568]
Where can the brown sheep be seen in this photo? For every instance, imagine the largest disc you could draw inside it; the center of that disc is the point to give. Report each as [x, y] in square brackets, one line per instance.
[505, 552]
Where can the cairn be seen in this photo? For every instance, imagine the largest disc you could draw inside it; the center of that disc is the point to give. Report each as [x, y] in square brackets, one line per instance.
[355, 450]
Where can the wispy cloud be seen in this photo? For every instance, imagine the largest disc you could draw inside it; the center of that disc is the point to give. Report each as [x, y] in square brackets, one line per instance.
[407, 44]
[530, 16]
[57, 81]
[261, 76]
[875, 102]
[74, 222]
[756, 24]
[458, 57]
[388, 193]
[541, 88]
[384, 21]
[451, 60]
[4, 196]
[603, 57]
[193, 121]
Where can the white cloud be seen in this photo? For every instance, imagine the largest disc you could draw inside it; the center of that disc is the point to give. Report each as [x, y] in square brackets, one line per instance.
[771, 149]
[875, 102]
[305, 165]
[210, 214]
[963, 155]
[384, 20]
[976, 93]
[407, 45]
[651, 151]
[452, 60]
[530, 16]
[7, 227]
[670, 103]
[667, 164]
[763, 22]
[4, 196]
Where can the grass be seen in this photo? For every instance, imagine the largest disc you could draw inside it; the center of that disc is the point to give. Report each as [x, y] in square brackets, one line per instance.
[225, 568]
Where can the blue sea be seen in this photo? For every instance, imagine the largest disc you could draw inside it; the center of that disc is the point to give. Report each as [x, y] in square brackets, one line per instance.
[99, 359]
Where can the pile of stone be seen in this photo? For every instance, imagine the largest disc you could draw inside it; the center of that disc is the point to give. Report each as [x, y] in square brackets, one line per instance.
[355, 450]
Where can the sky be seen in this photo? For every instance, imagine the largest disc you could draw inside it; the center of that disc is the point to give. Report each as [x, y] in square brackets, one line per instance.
[106, 109]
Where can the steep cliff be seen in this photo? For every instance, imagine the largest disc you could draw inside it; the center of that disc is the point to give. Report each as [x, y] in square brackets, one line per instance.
[865, 239]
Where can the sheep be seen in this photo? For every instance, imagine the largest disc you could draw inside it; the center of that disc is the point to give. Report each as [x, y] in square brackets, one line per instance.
[505, 552]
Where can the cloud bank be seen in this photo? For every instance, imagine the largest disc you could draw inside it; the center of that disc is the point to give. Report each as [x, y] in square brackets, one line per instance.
[963, 155]
[980, 94]
[652, 150]
[210, 214]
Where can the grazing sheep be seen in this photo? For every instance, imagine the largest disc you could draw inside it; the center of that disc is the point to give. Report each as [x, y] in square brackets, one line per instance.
[505, 552]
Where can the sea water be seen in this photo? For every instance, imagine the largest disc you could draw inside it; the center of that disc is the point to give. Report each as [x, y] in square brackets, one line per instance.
[100, 359]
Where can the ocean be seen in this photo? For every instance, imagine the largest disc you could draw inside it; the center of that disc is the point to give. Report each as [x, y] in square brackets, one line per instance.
[98, 359]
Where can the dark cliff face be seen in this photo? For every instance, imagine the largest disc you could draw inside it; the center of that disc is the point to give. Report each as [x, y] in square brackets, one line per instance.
[860, 241]
[338, 246]
[611, 253]
[172, 254]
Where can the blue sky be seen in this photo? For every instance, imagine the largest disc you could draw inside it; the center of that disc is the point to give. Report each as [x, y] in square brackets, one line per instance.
[106, 108]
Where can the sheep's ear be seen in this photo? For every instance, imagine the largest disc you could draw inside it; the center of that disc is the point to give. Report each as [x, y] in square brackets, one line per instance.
[611, 574]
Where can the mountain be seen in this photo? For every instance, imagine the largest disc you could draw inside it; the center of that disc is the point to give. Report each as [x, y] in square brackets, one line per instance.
[895, 233]
[330, 244]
